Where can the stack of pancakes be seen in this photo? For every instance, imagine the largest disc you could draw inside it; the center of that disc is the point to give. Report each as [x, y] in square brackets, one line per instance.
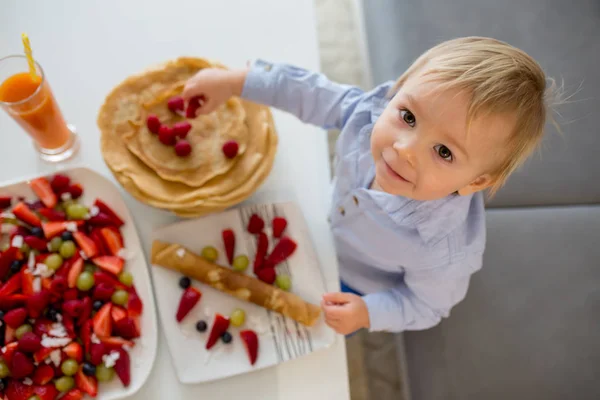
[205, 181]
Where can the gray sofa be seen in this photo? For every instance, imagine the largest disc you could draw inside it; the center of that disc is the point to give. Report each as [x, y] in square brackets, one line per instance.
[530, 325]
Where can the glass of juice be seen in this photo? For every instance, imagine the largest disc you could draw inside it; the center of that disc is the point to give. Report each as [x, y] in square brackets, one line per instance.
[28, 99]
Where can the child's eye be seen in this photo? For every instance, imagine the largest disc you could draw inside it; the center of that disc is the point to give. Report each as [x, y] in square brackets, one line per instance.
[408, 117]
[443, 152]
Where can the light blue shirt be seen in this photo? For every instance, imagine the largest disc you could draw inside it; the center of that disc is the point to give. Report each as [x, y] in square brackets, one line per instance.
[411, 259]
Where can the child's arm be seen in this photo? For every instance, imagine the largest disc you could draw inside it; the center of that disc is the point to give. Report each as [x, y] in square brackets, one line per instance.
[308, 95]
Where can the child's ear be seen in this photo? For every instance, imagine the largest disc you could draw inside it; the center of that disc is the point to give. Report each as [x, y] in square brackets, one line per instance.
[479, 184]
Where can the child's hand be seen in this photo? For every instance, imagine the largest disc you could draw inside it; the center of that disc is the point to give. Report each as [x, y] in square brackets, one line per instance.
[345, 312]
[215, 85]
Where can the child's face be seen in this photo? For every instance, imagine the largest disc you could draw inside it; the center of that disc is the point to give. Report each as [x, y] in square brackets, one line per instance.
[421, 147]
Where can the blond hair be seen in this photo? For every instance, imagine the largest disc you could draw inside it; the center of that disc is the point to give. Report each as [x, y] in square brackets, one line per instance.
[499, 79]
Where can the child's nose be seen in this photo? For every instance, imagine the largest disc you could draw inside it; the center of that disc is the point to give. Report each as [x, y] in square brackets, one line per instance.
[405, 147]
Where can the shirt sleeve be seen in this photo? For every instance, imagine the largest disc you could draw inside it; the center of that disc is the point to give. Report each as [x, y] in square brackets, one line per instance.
[310, 96]
[422, 300]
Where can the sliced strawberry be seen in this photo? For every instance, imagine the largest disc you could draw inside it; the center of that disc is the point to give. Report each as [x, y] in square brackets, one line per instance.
[113, 240]
[126, 328]
[123, 367]
[103, 292]
[86, 310]
[102, 321]
[21, 366]
[69, 325]
[115, 343]
[17, 390]
[256, 224]
[283, 249]
[267, 275]
[8, 352]
[23, 213]
[43, 374]
[100, 220]
[41, 187]
[74, 272]
[12, 285]
[250, 339]
[73, 308]
[10, 334]
[12, 301]
[52, 215]
[118, 222]
[74, 351]
[46, 392]
[87, 384]
[262, 246]
[279, 224]
[5, 202]
[87, 245]
[36, 243]
[37, 302]
[27, 282]
[190, 297]
[118, 313]
[54, 228]
[99, 241]
[134, 305]
[103, 277]
[30, 343]
[59, 183]
[76, 191]
[6, 259]
[220, 326]
[86, 335]
[97, 351]
[42, 354]
[71, 294]
[73, 394]
[15, 318]
[229, 243]
[111, 264]
[47, 283]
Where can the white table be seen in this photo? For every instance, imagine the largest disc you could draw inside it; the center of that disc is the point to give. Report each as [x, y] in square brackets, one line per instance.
[87, 47]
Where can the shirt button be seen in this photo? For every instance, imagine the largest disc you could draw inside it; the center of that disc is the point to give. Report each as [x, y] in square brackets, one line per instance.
[268, 67]
[342, 211]
[355, 199]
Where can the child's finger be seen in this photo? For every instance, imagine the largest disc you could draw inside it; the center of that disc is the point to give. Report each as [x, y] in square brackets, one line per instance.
[335, 312]
[338, 298]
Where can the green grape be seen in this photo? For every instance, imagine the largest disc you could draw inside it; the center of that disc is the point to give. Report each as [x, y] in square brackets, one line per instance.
[34, 397]
[12, 221]
[4, 371]
[22, 330]
[210, 253]
[104, 374]
[238, 316]
[77, 211]
[284, 282]
[67, 249]
[120, 297]
[4, 246]
[91, 268]
[69, 367]
[85, 281]
[55, 244]
[25, 249]
[240, 263]
[64, 384]
[54, 261]
[126, 278]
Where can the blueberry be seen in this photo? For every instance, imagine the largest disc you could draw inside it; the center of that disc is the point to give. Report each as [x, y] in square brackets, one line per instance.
[1, 315]
[226, 337]
[38, 232]
[2, 384]
[97, 305]
[201, 326]
[53, 314]
[15, 266]
[89, 369]
[185, 282]
[66, 235]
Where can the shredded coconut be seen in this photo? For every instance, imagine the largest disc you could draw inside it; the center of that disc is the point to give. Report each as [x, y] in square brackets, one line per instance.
[58, 330]
[95, 339]
[42, 270]
[7, 214]
[180, 253]
[66, 196]
[7, 228]
[50, 342]
[111, 359]
[94, 211]
[31, 261]
[55, 358]
[71, 226]
[59, 317]
[127, 348]
[83, 255]
[37, 284]
[17, 241]
[27, 381]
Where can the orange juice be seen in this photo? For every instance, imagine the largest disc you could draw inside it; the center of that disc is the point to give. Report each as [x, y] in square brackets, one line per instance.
[30, 102]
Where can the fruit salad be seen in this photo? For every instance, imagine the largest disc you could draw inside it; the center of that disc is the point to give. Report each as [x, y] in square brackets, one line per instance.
[69, 310]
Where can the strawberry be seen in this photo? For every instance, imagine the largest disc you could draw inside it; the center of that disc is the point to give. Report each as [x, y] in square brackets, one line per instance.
[73, 394]
[97, 238]
[46, 284]
[229, 242]
[67, 321]
[190, 297]
[10, 334]
[52, 215]
[37, 303]
[27, 282]
[71, 294]
[153, 123]
[97, 350]
[12, 301]
[103, 292]
[6, 259]
[134, 305]
[54, 228]
[182, 129]
[118, 222]
[256, 224]
[30, 343]
[12, 285]
[86, 310]
[262, 245]
[8, 352]
[112, 239]
[46, 392]
[115, 343]
[102, 321]
[43, 374]
[111, 264]
[43, 353]
[118, 313]
[36, 243]
[59, 285]
[41, 187]
[87, 384]
[73, 308]
[22, 366]
[59, 183]
[193, 105]
[25, 214]
[5, 202]
[267, 275]
[87, 245]
[123, 367]
[183, 148]
[17, 390]
[74, 351]
[100, 219]
[15, 318]
[176, 104]
[74, 272]
[283, 249]
[86, 335]
[220, 326]
[230, 149]
[166, 135]
[250, 340]
[103, 277]
[279, 224]
[127, 329]
[76, 191]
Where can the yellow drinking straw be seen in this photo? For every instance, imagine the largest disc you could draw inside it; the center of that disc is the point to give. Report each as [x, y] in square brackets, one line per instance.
[29, 56]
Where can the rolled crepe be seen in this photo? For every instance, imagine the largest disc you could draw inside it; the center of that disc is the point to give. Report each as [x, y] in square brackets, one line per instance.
[177, 258]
